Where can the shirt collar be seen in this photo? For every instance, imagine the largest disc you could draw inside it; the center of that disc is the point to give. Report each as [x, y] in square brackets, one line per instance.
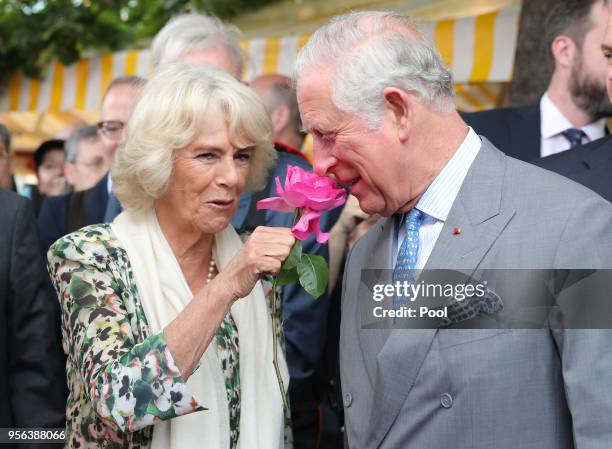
[442, 192]
[553, 122]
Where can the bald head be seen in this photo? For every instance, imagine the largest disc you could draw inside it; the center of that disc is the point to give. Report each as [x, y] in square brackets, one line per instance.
[277, 93]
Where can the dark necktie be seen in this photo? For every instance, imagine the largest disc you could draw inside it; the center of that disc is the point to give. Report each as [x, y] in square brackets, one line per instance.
[574, 136]
[113, 208]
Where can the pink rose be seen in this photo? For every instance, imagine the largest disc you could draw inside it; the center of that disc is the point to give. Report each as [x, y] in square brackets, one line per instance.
[309, 192]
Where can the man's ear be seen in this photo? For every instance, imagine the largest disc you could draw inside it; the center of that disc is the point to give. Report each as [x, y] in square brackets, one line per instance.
[400, 104]
[563, 49]
[280, 118]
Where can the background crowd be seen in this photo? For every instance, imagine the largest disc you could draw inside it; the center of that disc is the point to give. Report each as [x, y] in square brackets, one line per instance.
[566, 131]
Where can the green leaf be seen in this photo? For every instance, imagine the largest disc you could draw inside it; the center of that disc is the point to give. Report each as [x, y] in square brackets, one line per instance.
[294, 257]
[314, 274]
[287, 277]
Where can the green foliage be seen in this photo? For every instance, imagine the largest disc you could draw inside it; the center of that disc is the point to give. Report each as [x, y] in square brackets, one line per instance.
[35, 32]
[314, 274]
[288, 273]
[310, 270]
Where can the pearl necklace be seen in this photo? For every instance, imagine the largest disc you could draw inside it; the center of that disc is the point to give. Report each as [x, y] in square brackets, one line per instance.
[211, 271]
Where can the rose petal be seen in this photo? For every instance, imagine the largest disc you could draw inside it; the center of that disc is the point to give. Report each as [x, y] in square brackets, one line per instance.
[309, 223]
[279, 188]
[303, 224]
[276, 203]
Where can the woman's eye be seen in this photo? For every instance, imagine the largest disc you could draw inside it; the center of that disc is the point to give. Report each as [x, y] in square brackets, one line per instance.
[243, 157]
[206, 156]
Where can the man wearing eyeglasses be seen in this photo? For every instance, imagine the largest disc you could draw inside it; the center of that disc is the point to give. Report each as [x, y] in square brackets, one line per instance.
[86, 158]
[66, 213]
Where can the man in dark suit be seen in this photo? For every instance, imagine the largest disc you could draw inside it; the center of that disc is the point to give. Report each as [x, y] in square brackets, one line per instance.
[63, 214]
[32, 376]
[572, 110]
[590, 164]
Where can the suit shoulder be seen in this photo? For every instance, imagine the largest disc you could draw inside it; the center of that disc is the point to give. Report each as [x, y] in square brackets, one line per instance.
[493, 116]
[11, 202]
[532, 181]
[572, 160]
[362, 247]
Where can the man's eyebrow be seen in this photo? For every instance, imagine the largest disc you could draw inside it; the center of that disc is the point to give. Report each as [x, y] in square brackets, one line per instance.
[606, 47]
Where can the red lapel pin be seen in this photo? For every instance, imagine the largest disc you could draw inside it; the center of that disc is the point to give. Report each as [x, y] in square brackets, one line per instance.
[456, 230]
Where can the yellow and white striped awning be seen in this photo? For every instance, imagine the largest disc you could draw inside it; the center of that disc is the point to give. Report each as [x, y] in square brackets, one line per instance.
[478, 49]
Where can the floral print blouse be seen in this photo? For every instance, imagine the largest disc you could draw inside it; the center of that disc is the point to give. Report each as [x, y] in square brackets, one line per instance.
[122, 380]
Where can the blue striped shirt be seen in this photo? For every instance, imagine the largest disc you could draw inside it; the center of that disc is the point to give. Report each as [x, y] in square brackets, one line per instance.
[439, 197]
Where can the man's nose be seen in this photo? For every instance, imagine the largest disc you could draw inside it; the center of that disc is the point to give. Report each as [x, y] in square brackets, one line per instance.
[323, 161]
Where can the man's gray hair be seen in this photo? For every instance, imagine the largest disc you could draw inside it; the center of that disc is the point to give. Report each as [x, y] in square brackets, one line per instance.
[6, 138]
[281, 93]
[189, 32]
[72, 145]
[134, 81]
[371, 50]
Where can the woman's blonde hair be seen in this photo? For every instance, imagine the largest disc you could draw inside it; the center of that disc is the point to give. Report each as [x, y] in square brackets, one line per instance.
[169, 116]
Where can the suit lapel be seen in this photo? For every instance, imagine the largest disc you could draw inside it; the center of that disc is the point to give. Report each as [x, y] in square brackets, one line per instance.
[598, 157]
[525, 134]
[478, 213]
[377, 270]
[597, 166]
[95, 202]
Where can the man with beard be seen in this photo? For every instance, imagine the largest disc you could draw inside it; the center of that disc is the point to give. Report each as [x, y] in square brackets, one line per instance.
[573, 109]
[590, 164]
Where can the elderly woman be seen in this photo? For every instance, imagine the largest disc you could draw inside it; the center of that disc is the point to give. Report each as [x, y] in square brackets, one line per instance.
[164, 321]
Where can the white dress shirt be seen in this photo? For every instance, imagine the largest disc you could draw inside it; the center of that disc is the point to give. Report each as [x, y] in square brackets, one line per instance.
[439, 197]
[553, 123]
[109, 184]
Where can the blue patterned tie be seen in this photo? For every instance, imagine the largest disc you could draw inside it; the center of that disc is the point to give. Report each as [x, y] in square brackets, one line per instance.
[574, 136]
[407, 254]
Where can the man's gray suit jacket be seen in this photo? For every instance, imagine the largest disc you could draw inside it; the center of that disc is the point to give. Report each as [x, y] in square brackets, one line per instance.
[488, 388]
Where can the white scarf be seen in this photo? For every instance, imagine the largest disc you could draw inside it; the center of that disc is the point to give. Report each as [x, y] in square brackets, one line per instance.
[164, 293]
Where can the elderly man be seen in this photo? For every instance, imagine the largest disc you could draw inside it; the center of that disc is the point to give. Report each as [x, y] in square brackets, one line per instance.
[276, 91]
[86, 158]
[63, 214]
[199, 39]
[203, 39]
[379, 103]
[572, 110]
[590, 164]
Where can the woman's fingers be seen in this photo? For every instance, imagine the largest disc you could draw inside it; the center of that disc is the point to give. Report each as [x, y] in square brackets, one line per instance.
[272, 242]
[263, 252]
